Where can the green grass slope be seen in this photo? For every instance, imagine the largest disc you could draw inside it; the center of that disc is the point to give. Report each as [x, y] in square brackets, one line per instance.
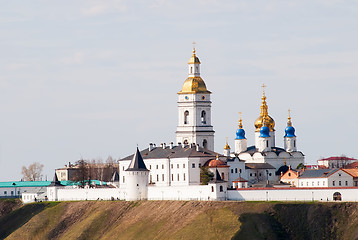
[181, 220]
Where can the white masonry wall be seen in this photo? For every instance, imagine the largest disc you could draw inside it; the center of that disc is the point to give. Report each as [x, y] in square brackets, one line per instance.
[74, 194]
[199, 192]
[293, 194]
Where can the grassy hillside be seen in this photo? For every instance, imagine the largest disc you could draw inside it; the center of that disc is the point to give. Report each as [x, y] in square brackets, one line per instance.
[181, 220]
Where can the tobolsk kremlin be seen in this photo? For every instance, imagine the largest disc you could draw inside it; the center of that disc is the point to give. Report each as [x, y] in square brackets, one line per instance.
[269, 167]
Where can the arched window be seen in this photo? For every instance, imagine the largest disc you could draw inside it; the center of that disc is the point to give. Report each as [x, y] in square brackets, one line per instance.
[186, 142]
[222, 176]
[205, 143]
[191, 69]
[221, 189]
[212, 188]
[337, 196]
[186, 117]
[203, 117]
[267, 144]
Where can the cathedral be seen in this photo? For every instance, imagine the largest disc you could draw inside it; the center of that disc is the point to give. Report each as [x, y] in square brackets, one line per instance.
[176, 171]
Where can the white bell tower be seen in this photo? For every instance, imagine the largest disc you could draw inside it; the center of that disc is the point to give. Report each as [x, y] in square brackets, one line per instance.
[194, 109]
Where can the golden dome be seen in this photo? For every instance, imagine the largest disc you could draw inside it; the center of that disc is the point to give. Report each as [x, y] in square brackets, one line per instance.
[227, 147]
[194, 85]
[194, 59]
[270, 123]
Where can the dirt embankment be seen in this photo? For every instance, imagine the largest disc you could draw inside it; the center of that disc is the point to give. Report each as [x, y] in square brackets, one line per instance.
[181, 220]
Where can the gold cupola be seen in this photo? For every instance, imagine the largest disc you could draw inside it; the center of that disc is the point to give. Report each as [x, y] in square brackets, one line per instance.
[194, 59]
[194, 83]
[264, 115]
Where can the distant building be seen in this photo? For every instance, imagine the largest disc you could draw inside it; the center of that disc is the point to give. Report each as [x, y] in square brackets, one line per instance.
[318, 178]
[335, 162]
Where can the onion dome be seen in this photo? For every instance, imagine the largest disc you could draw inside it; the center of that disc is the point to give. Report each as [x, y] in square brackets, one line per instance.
[240, 132]
[283, 169]
[264, 113]
[289, 130]
[264, 130]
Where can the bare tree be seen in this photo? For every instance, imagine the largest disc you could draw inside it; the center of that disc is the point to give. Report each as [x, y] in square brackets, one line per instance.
[82, 174]
[33, 172]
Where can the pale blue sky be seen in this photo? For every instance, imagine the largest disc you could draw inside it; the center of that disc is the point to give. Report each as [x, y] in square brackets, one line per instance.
[95, 78]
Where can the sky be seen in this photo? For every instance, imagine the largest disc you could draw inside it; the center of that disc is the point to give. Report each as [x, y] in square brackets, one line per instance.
[92, 79]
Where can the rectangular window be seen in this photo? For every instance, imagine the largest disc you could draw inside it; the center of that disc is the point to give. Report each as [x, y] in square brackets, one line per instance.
[177, 165]
[5, 192]
[235, 170]
[124, 179]
[171, 165]
[163, 177]
[317, 183]
[172, 177]
[346, 183]
[312, 184]
[193, 165]
[157, 166]
[123, 168]
[150, 166]
[302, 184]
[162, 166]
[184, 176]
[157, 178]
[250, 174]
[266, 143]
[307, 184]
[150, 178]
[323, 183]
[178, 176]
[183, 165]
[12, 192]
[200, 165]
[340, 183]
[333, 183]
[232, 170]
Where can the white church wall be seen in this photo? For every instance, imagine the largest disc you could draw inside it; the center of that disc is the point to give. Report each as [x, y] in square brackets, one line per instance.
[292, 194]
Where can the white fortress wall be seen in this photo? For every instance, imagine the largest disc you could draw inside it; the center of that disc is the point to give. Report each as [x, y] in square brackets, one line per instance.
[306, 194]
[72, 194]
[197, 192]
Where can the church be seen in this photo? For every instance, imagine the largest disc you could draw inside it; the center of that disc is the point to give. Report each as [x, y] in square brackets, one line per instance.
[176, 171]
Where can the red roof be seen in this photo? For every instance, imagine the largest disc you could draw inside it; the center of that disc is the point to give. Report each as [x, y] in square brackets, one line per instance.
[352, 165]
[215, 163]
[337, 158]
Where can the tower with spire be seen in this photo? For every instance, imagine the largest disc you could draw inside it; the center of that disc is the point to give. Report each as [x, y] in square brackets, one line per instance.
[290, 137]
[194, 109]
[136, 179]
